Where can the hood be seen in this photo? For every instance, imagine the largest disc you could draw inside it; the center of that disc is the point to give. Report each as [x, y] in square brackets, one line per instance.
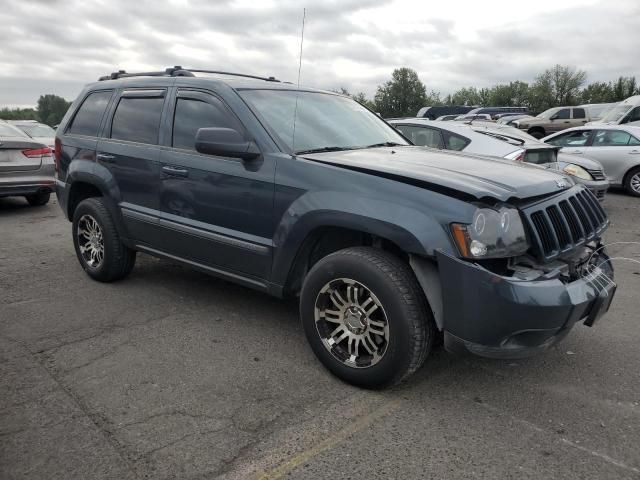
[474, 175]
[588, 163]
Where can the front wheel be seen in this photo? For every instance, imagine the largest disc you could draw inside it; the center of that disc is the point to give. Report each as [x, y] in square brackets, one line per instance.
[632, 182]
[365, 317]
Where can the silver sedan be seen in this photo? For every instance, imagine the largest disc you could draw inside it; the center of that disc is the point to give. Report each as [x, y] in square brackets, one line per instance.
[616, 147]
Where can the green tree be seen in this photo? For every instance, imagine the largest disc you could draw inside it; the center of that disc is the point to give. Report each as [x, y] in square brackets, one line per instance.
[557, 86]
[18, 114]
[597, 92]
[624, 87]
[51, 109]
[465, 96]
[513, 94]
[362, 99]
[401, 96]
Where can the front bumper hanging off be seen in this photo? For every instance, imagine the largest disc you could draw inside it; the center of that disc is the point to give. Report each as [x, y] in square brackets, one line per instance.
[504, 317]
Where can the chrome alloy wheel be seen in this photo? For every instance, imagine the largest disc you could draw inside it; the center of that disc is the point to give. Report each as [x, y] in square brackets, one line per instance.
[90, 241]
[635, 183]
[352, 323]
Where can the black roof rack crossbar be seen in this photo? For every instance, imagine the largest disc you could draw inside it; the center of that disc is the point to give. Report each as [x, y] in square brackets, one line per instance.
[178, 71]
[266, 79]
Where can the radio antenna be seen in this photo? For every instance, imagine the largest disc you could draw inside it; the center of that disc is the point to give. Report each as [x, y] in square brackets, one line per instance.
[295, 110]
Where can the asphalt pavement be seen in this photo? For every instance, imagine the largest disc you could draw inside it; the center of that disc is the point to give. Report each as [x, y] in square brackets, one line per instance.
[174, 374]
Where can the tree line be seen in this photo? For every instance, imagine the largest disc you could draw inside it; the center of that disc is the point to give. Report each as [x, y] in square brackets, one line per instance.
[560, 85]
[50, 110]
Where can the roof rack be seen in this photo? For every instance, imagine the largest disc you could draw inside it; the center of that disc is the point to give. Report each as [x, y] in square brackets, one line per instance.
[178, 71]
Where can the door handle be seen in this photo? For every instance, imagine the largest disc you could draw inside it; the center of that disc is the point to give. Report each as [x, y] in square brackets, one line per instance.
[634, 152]
[576, 151]
[106, 158]
[566, 121]
[175, 172]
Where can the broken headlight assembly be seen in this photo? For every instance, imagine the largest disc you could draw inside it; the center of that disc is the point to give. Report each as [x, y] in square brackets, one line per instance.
[494, 233]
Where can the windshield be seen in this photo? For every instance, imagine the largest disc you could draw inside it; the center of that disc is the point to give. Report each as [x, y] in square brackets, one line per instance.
[548, 113]
[616, 113]
[323, 121]
[36, 130]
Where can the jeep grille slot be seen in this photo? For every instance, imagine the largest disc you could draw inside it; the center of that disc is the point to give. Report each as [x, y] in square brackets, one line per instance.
[565, 222]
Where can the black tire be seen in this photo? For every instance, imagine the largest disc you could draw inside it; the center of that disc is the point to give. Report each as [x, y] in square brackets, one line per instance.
[118, 260]
[410, 323]
[629, 178]
[536, 133]
[38, 199]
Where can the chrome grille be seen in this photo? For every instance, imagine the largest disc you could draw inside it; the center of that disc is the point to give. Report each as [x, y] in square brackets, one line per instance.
[565, 222]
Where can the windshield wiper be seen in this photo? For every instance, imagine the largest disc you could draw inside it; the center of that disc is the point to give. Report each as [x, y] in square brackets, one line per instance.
[324, 149]
[385, 144]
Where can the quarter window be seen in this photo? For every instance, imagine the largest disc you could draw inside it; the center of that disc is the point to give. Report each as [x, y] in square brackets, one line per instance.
[454, 142]
[89, 115]
[423, 136]
[192, 114]
[137, 119]
[632, 116]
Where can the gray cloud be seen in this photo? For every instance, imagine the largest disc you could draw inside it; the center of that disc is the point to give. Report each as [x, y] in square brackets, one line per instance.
[348, 43]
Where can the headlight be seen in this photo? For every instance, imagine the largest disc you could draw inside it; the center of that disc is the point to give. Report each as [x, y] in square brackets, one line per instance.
[577, 171]
[493, 234]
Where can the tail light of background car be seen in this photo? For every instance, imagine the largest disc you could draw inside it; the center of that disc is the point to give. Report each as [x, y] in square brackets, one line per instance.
[517, 156]
[57, 154]
[37, 152]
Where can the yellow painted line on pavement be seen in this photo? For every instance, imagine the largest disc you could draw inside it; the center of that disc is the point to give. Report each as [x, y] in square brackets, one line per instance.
[328, 443]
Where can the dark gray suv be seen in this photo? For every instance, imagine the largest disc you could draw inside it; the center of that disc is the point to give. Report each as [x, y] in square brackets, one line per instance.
[304, 193]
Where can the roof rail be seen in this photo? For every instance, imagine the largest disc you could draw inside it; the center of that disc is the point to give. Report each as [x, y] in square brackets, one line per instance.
[178, 71]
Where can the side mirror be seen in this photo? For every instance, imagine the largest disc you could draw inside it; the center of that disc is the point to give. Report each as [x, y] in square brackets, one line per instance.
[225, 142]
[554, 117]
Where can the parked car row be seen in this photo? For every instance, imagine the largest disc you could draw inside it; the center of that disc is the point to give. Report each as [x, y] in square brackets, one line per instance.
[503, 141]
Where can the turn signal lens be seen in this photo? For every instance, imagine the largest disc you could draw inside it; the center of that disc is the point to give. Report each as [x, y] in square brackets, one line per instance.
[461, 237]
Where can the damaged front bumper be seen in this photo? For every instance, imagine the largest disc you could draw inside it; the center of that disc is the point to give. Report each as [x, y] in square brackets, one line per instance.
[516, 316]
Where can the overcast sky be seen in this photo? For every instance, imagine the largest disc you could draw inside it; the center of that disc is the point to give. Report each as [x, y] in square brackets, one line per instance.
[56, 46]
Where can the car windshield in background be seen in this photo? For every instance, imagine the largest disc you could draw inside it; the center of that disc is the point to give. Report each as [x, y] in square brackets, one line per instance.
[548, 113]
[616, 113]
[38, 130]
[323, 121]
[9, 131]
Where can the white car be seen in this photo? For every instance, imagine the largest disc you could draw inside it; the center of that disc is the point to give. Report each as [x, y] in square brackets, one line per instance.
[503, 141]
[616, 147]
[40, 132]
[626, 112]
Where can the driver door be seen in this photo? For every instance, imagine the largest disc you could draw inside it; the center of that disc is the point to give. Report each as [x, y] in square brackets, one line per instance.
[215, 211]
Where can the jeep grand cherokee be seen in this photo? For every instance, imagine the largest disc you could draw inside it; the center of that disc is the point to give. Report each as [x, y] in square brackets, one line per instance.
[305, 193]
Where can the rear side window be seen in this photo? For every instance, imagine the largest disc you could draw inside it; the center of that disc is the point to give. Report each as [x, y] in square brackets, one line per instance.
[576, 138]
[579, 113]
[192, 114]
[454, 142]
[89, 115]
[425, 137]
[137, 119]
[612, 138]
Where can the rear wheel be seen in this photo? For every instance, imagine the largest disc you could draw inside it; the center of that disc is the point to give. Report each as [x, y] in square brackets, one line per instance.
[632, 182]
[366, 317]
[38, 199]
[98, 246]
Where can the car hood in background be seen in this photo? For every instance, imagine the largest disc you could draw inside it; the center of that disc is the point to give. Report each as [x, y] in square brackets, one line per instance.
[474, 175]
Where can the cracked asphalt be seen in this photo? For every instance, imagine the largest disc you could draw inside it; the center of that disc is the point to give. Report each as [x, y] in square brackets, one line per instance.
[173, 374]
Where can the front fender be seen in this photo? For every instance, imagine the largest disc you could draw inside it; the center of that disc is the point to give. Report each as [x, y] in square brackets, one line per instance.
[415, 231]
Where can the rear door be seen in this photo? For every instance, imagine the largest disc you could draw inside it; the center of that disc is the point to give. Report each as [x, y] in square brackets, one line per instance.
[130, 151]
[617, 150]
[578, 117]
